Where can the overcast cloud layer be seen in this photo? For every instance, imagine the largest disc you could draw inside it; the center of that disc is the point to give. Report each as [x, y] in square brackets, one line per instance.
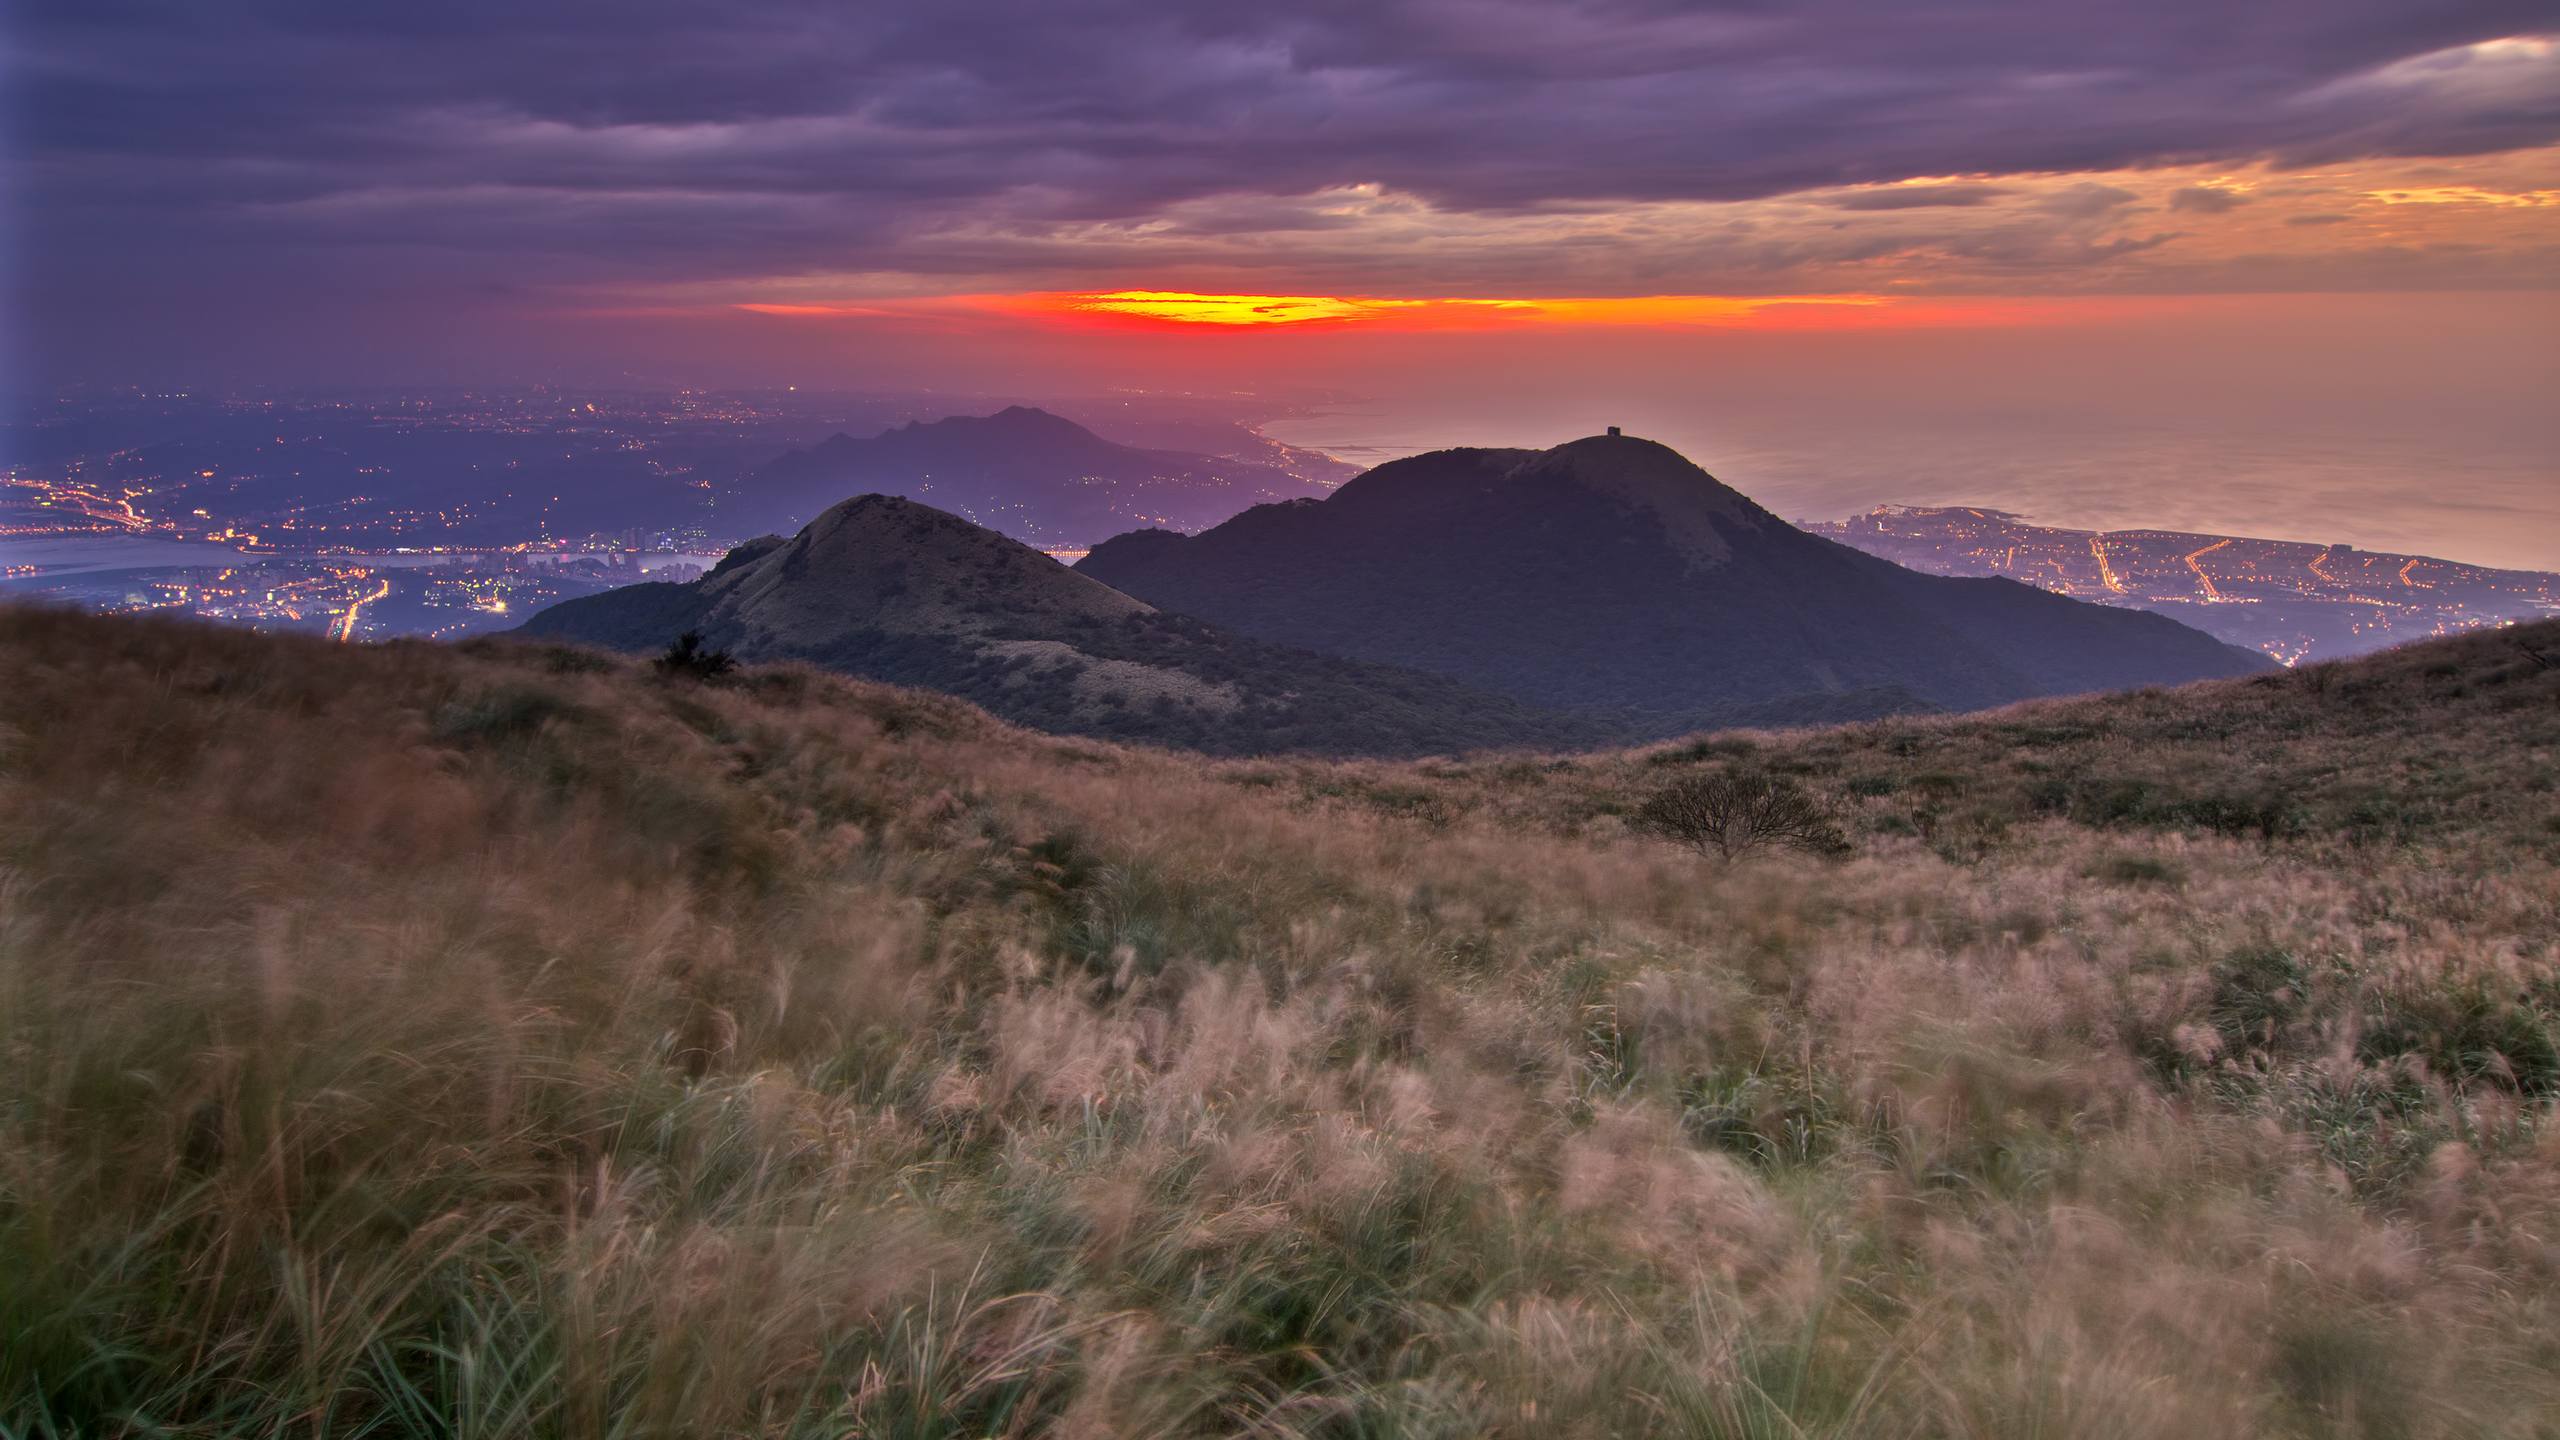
[171, 150]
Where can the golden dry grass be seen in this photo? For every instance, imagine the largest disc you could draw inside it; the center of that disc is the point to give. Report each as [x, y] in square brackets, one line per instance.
[503, 1042]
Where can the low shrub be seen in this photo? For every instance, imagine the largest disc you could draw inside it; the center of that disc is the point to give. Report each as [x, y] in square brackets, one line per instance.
[689, 659]
[1732, 813]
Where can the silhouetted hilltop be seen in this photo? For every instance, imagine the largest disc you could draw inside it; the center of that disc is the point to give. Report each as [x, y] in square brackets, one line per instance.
[1030, 474]
[1611, 573]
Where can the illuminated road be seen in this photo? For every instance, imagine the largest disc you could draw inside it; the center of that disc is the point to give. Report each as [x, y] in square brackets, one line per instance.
[87, 503]
[2202, 578]
[2106, 572]
[129, 518]
[346, 626]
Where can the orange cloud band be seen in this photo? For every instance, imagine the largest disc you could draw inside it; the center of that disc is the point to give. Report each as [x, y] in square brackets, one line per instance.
[1200, 312]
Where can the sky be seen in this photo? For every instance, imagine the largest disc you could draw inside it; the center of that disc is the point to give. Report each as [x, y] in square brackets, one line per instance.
[2067, 253]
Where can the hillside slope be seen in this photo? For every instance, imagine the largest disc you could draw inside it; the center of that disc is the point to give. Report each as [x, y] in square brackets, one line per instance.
[1037, 477]
[1611, 572]
[407, 1038]
[888, 589]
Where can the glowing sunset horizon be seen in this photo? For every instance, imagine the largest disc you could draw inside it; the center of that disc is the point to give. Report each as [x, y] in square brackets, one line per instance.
[1187, 309]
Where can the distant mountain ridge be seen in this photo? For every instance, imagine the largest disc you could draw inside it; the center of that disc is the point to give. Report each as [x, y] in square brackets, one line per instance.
[1038, 477]
[890, 589]
[1610, 573]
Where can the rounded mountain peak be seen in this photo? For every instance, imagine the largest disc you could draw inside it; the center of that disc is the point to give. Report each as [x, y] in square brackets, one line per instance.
[1698, 511]
[889, 563]
[1699, 516]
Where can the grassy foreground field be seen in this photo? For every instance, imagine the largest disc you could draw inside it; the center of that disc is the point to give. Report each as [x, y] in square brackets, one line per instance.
[405, 1041]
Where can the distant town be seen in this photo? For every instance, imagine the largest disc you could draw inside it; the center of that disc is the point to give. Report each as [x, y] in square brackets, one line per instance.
[2293, 600]
[443, 515]
[450, 513]
[101, 547]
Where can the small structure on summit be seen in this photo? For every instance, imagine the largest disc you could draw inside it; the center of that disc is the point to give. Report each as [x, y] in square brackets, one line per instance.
[1613, 432]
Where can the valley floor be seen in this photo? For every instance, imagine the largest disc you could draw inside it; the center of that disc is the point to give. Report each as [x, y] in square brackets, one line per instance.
[504, 1041]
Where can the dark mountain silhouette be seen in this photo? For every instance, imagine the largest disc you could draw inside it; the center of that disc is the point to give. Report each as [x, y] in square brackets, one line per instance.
[1610, 573]
[1030, 474]
[889, 589]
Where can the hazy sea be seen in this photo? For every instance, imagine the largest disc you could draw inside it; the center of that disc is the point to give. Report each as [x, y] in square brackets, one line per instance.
[2468, 497]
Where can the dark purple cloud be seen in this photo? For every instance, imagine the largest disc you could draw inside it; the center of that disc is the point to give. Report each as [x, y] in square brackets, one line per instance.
[300, 149]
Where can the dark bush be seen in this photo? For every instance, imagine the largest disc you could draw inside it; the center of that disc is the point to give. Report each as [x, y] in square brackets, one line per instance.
[2470, 1033]
[2256, 993]
[686, 659]
[1728, 814]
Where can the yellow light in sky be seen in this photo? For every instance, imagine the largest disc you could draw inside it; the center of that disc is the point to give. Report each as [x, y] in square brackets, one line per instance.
[1197, 309]
[1193, 308]
[1210, 311]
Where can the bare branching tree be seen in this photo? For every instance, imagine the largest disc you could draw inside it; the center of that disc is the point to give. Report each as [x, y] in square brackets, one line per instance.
[1729, 813]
